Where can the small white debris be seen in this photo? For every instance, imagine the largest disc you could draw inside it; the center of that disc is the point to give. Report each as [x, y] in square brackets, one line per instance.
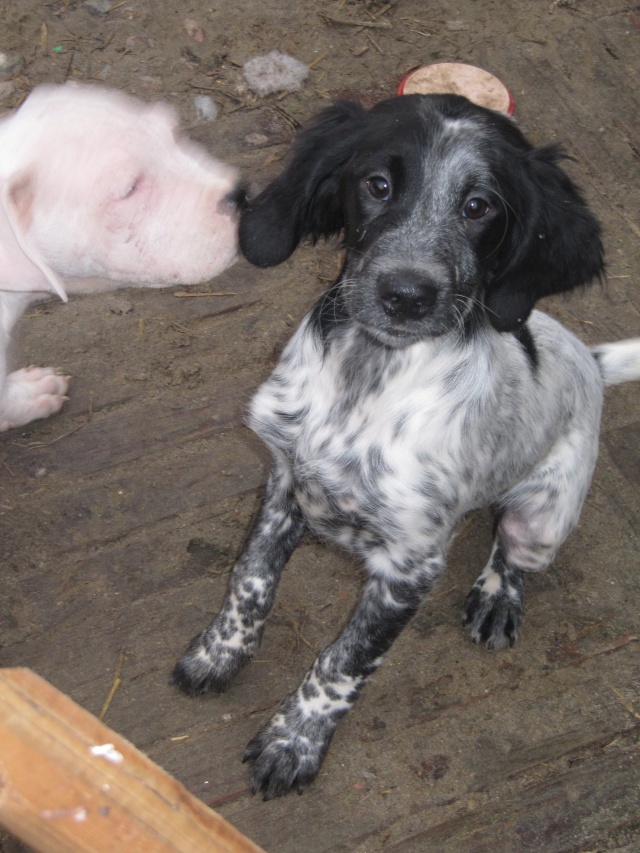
[456, 26]
[98, 7]
[10, 64]
[78, 814]
[256, 139]
[108, 751]
[193, 29]
[205, 107]
[274, 72]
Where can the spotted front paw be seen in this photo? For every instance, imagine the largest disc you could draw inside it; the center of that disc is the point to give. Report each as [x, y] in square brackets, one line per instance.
[494, 608]
[288, 752]
[208, 666]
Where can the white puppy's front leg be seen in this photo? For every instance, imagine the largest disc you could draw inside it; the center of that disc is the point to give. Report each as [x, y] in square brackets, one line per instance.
[31, 393]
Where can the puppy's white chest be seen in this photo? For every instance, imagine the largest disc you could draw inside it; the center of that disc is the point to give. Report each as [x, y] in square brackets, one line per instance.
[323, 412]
[353, 432]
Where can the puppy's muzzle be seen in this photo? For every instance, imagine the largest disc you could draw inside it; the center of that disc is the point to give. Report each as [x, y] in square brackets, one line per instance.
[406, 295]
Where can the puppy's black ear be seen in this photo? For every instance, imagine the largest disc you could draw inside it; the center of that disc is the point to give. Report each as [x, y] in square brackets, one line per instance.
[553, 242]
[304, 200]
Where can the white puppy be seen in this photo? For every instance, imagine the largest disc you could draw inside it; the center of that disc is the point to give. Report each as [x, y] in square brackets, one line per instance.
[98, 190]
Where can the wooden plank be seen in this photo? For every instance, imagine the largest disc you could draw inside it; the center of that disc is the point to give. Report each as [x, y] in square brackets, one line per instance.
[69, 783]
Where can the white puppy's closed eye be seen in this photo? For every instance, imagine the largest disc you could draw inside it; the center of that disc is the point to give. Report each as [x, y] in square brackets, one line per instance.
[79, 166]
[131, 187]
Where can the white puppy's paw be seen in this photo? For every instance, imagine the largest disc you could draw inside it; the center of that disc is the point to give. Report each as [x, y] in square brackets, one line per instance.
[31, 393]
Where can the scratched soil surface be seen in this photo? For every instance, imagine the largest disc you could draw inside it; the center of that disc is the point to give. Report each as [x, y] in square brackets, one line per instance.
[121, 516]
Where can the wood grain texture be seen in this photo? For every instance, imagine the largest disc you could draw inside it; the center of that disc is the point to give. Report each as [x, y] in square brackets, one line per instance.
[68, 783]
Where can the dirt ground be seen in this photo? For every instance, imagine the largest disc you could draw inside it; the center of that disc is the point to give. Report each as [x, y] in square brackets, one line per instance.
[121, 516]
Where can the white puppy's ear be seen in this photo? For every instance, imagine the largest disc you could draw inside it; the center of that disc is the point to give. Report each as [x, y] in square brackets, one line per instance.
[21, 267]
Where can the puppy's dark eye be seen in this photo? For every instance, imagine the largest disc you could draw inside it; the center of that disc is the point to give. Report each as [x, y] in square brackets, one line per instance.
[379, 188]
[475, 208]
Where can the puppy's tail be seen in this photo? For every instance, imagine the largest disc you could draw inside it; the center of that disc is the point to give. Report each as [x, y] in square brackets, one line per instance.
[618, 362]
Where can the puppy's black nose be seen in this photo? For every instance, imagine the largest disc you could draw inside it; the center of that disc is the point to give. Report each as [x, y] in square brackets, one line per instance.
[235, 200]
[406, 295]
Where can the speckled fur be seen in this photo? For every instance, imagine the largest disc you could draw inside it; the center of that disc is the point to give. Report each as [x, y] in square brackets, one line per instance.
[388, 425]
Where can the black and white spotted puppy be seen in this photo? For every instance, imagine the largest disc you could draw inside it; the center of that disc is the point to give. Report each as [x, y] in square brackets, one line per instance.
[421, 386]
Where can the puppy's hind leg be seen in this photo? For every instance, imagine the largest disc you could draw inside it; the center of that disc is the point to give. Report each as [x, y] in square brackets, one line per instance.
[234, 636]
[494, 608]
[534, 519]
